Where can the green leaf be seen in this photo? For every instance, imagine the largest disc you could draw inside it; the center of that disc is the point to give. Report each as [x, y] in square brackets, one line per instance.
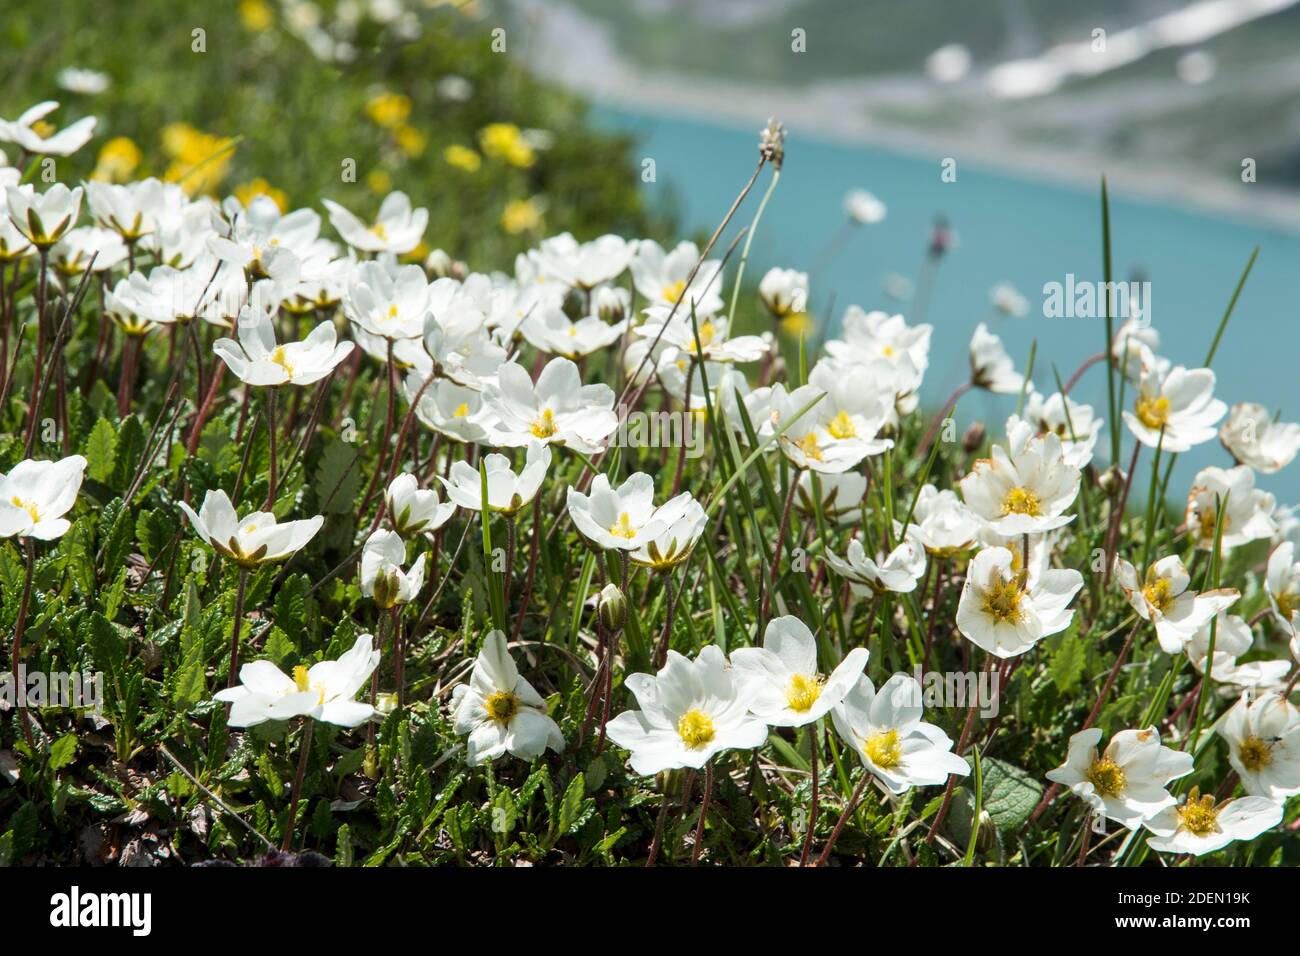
[153, 532]
[1066, 666]
[62, 751]
[338, 478]
[1010, 793]
[571, 803]
[101, 451]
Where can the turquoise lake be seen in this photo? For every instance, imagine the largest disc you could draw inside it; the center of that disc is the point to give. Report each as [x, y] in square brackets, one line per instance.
[1010, 229]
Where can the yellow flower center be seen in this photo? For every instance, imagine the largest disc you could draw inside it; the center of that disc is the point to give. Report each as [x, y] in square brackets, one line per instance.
[803, 692]
[808, 445]
[1159, 593]
[303, 683]
[1002, 600]
[380, 230]
[1255, 753]
[623, 527]
[29, 506]
[842, 426]
[278, 357]
[501, 706]
[1021, 501]
[1288, 602]
[1107, 777]
[1206, 520]
[707, 331]
[544, 427]
[884, 749]
[1153, 411]
[461, 410]
[695, 728]
[672, 292]
[1198, 815]
[392, 312]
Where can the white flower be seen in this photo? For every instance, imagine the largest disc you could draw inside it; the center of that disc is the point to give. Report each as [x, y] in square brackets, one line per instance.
[1024, 488]
[1249, 512]
[88, 247]
[714, 346]
[461, 348]
[255, 539]
[841, 495]
[863, 208]
[898, 571]
[1179, 401]
[990, 365]
[784, 292]
[867, 336]
[1253, 438]
[945, 526]
[1006, 608]
[324, 692]
[77, 80]
[689, 711]
[382, 577]
[266, 243]
[388, 301]
[1128, 782]
[500, 711]
[257, 360]
[1263, 738]
[786, 689]
[553, 332]
[63, 143]
[584, 265]
[1199, 826]
[415, 510]
[35, 496]
[1007, 299]
[661, 277]
[1134, 350]
[621, 518]
[671, 533]
[1232, 639]
[1282, 581]
[43, 218]
[130, 209]
[834, 434]
[887, 733]
[559, 409]
[1076, 424]
[447, 407]
[1163, 599]
[397, 229]
[506, 491]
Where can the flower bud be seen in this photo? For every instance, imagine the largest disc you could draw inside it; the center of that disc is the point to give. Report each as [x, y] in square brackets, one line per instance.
[973, 438]
[1111, 480]
[611, 606]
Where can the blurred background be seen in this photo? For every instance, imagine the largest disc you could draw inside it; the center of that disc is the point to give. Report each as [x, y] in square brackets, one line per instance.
[518, 119]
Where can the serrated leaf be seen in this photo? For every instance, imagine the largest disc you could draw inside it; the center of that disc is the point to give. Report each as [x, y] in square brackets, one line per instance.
[571, 803]
[62, 751]
[101, 451]
[338, 478]
[1067, 663]
[1010, 793]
